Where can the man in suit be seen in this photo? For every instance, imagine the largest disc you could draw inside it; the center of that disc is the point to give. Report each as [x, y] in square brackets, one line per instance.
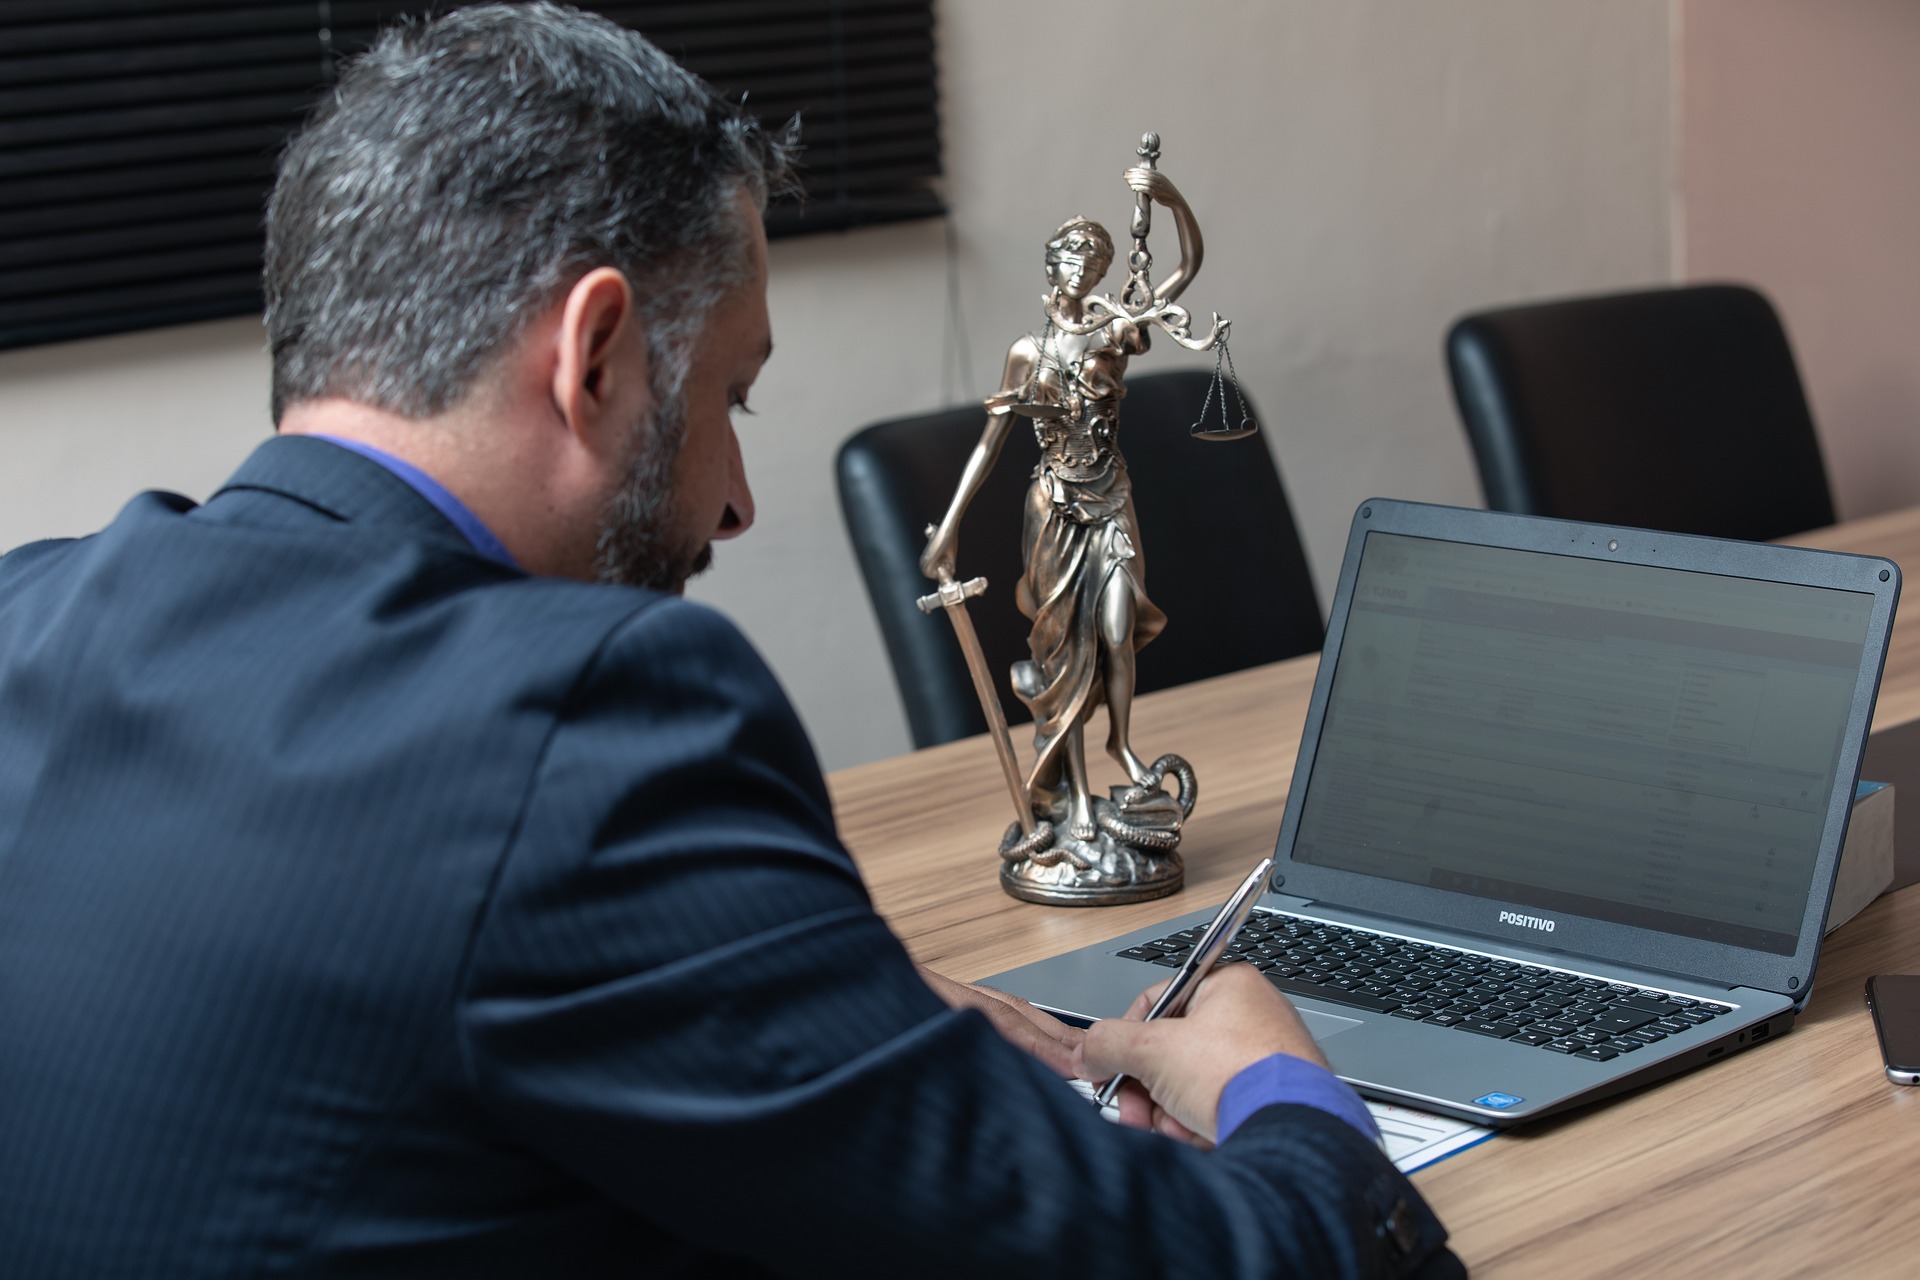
[398, 878]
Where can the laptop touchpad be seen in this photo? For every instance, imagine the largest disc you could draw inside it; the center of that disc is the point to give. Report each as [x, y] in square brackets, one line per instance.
[1323, 1025]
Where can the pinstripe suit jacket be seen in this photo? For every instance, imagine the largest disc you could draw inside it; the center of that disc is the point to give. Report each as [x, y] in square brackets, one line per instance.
[371, 908]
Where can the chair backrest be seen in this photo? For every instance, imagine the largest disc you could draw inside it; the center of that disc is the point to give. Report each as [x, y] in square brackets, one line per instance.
[1223, 557]
[1676, 409]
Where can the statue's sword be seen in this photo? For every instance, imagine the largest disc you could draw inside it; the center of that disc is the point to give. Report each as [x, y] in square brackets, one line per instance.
[952, 596]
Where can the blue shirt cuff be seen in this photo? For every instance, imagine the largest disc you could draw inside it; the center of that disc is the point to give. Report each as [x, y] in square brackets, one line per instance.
[1285, 1078]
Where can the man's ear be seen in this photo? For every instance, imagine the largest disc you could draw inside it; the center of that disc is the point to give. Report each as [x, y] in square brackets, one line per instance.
[592, 370]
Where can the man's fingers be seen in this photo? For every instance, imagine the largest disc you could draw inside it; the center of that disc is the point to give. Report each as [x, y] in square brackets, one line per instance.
[1054, 1045]
[1044, 1036]
[1164, 1122]
[1144, 1001]
[1136, 1106]
[1236, 1018]
[1113, 1045]
[1239, 992]
[1138, 1110]
[1020, 1021]
[1045, 1023]
[1104, 1067]
[956, 994]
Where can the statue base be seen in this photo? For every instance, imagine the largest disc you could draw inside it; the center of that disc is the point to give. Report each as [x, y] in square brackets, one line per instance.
[1132, 855]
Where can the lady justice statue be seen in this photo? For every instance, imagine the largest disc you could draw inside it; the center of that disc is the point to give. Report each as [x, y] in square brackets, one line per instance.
[1084, 584]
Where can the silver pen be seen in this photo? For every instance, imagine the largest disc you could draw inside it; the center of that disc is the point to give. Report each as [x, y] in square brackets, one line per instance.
[1173, 1001]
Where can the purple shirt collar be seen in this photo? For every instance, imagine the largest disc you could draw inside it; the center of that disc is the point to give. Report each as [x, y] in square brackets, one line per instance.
[433, 491]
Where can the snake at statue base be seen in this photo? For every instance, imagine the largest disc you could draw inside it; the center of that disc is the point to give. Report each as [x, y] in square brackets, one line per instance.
[1038, 845]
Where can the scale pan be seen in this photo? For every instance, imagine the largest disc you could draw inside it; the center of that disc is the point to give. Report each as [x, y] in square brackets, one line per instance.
[1218, 435]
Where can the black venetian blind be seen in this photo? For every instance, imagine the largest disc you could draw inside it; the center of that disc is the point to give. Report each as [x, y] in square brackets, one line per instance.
[137, 137]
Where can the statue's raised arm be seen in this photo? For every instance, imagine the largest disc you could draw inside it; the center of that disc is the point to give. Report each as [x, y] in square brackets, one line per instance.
[1159, 188]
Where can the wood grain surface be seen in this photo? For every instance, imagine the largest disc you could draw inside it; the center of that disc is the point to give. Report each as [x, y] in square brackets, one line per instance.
[1794, 1158]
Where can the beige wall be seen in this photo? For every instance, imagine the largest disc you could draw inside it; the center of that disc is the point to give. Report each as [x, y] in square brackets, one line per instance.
[1364, 172]
[1800, 172]
[86, 425]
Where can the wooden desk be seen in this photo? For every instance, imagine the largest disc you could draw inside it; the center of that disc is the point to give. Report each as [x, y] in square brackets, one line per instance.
[1796, 1157]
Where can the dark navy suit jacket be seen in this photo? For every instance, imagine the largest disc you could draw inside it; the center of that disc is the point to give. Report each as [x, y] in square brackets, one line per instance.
[368, 907]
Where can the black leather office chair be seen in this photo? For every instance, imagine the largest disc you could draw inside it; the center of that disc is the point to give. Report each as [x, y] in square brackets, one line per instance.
[1676, 409]
[1223, 557]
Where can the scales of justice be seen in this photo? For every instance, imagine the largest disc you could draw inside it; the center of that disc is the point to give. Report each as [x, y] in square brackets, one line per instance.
[1083, 584]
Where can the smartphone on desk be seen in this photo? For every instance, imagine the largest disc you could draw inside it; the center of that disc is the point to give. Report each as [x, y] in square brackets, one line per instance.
[1895, 1001]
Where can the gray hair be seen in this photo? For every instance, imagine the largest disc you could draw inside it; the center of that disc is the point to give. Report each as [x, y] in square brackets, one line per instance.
[467, 171]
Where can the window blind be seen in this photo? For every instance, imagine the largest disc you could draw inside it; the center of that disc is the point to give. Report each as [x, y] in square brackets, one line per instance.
[138, 137]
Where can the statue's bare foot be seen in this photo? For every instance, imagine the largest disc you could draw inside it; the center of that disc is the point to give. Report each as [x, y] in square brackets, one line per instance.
[1136, 768]
[1080, 824]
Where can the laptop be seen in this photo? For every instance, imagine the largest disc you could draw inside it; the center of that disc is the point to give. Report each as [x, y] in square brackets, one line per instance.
[1566, 815]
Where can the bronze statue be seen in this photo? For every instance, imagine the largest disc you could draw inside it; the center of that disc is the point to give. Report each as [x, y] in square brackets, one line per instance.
[1084, 584]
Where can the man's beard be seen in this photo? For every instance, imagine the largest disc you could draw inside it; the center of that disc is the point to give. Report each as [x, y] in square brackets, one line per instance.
[639, 545]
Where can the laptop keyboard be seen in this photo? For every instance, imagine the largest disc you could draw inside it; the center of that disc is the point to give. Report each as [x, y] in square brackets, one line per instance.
[1552, 1009]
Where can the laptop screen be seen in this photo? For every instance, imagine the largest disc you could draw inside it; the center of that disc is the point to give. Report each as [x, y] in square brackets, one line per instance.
[1650, 746]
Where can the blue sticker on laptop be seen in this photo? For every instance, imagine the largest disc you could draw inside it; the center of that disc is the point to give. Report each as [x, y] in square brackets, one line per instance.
[1499, 1101]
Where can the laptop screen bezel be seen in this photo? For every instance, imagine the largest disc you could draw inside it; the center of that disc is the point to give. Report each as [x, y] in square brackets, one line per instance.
[1575, 935]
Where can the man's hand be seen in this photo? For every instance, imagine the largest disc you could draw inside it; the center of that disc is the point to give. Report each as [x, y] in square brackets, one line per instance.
[1236, 1018]
[1025, 1027]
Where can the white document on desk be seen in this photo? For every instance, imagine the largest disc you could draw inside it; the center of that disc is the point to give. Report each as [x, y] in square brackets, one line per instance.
[1416, 1139]
[1413, 1139]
